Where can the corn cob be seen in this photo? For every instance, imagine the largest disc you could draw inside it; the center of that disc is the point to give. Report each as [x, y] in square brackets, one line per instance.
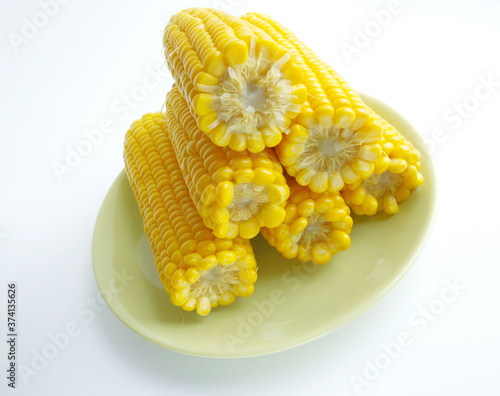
[334, 140]
[235, 192]
[396, 175]
[242, 87]
[198, 270]
[317, 226]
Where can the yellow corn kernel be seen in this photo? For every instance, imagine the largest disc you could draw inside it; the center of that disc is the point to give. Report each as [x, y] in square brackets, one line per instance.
[323, 204]
[319, 182]
[334, 214]
[397, 165]
[206, 248]
[298, 225]
[348, 174]
[224, 193]
[192, 275]
[205, 122]
[273, 215]
[320, 253]
[220, 135]
[208, 195]
[224, 173]
[402, 194]
[203, 307]
[382, 164]
[390, 204]
[178, 280]
[238, 142]
[221, 230]
[255, 143]
[264, 175]
[203, 103]
[248, 277]
[243, 176]
[340, 239]
[358, 196]
[281, 231]
[306, 208]
[277, 193]
[363, 168]
[249, 228]
[225, 257]
[219, 214]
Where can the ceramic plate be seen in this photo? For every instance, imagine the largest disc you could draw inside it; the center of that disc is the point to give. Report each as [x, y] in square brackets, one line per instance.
[293, 302]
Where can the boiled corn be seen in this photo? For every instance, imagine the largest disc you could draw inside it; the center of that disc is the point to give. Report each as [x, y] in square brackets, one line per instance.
[198, 270]
[236, 193]
[317, 226]
[243, 87]
[395, 175]
[334, 141]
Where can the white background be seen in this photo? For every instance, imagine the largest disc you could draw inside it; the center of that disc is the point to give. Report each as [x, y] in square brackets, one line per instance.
[71, 74]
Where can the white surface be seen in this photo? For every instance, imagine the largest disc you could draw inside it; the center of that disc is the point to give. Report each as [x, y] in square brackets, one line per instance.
[69, 77]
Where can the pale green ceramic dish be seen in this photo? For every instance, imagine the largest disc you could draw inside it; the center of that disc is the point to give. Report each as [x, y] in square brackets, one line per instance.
[293, 302]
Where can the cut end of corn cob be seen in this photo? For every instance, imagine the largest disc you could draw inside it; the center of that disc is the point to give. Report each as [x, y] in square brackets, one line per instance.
[242, 86]
[396, 174]
[252, 102]
[317, 226]
[221, 280]
[236, 193]
[329, 157]
[198, 270]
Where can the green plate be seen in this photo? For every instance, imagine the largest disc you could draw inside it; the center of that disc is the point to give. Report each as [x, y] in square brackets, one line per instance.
[293, 302]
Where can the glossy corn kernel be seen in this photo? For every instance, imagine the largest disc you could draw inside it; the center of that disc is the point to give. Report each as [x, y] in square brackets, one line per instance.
[234, 192]
[198, 270]
[334, 141]
[242, 86]
[316, 227]
[396, 174]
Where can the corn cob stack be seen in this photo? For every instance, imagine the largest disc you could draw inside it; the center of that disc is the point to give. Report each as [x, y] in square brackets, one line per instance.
[334, 141]
[198, 270]
[207, 180]
[235, 192]
[396, 174]
[317, 226]
[241, 85]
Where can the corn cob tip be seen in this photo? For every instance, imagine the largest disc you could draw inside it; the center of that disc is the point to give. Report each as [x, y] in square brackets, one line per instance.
[383, 192]
[218, 284]
[396, 174]
[316, 226]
